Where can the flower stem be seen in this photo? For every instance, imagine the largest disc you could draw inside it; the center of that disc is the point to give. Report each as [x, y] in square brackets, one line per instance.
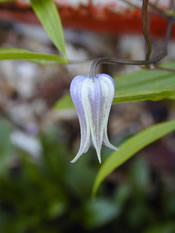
[148, 60]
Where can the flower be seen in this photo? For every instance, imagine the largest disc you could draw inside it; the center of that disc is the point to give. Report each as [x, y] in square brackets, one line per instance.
[93, 98]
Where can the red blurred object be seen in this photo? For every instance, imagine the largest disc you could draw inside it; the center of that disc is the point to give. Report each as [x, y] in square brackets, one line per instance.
[108, 18]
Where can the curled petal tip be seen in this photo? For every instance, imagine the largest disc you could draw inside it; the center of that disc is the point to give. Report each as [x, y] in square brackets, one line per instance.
[99, 159]
[116, 148]
[76, 157]
[98, 154]
[73, 160]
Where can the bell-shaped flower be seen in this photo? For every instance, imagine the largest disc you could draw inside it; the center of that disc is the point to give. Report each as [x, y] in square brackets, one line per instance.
[93, 98]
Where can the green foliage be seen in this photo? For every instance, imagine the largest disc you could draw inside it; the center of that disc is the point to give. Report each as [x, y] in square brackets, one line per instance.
[21, 54]
[46, 12]
[99, 211]
[48, 15]
[145, 81]
[142, 181]
[130, 147]
[162, 228]
[142, 207]
[5, 145]
[138, 86]
[49, 194]
[155, 95]
[64, 103]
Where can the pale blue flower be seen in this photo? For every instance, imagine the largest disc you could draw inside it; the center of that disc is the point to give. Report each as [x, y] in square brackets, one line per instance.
[93, 98]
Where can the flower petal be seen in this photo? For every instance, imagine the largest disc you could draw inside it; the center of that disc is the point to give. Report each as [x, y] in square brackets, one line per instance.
[107, 143]
[91, 100]
[76, 94]
[107, 86]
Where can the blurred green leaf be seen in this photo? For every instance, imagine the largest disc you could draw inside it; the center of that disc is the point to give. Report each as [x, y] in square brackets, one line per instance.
[21, 54]
[130, 147]
[66, 102]
[99, 212]
[48, 15]
[146, 80]
[76, 178]
[139, 176]
[122, 194]
[56, 209]
[169, 203]
[154, 95]
[138, 213]
[5, 145]
[162, 228]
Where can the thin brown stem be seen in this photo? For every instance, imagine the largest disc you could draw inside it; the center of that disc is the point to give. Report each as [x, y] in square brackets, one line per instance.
[145, 28]
[113, 60]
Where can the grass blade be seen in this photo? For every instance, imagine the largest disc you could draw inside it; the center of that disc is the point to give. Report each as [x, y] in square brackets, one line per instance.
[47, 13]
[22, 54]
[130, 147]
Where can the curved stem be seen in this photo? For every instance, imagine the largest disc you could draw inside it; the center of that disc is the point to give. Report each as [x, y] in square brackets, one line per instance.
[154, 60]
[145, 28]
[114, 60]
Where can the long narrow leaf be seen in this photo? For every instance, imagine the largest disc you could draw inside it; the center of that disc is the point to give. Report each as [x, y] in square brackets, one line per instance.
[21, 54]
[154, 95]
[47, 13]
[130, 147]
[66, 102]
[146, 80]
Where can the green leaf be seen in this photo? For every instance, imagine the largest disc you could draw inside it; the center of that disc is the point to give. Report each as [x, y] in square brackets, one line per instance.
[130, 147]
[139, 176]
[5, 145]
[21, 54]
[161, 227]
[142, 85]
[98, 212]
[64, 103]
[153, 95]
[146, 82]
[48, 15]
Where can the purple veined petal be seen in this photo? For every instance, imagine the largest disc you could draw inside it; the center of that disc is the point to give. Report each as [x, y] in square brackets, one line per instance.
[87, 90]
[108, 88]
[92, 103]
[76, 94]
[93, 98]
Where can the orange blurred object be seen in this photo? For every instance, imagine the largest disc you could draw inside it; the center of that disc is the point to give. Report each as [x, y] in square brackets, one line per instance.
[110, 17]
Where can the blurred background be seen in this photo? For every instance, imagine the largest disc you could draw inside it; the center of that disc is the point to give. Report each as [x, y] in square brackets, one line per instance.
[40, 191]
